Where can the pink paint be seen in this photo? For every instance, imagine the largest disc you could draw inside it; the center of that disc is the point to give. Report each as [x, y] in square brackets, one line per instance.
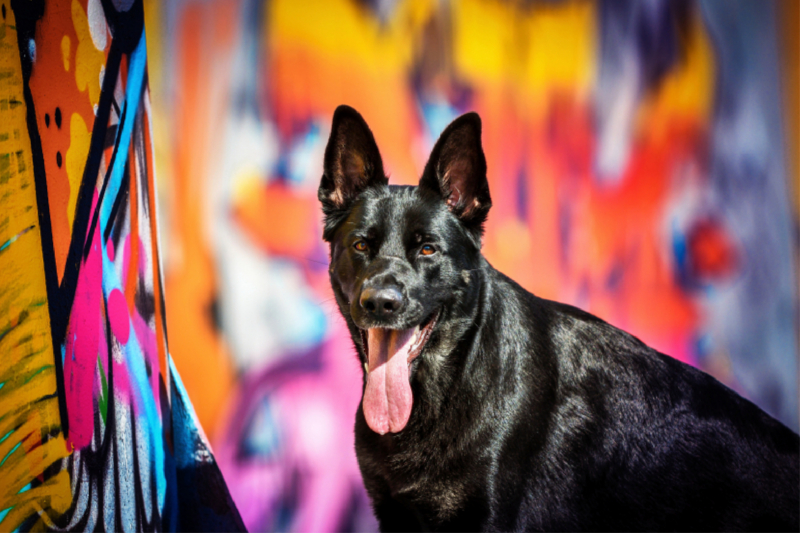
[84, 336]
[313, 408]
[110, 251]
[102, 357]
[118, 383]
[118, 315]
[147, 341]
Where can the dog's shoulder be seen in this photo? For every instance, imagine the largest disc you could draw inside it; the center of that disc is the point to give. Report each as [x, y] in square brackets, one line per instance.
[593, 356]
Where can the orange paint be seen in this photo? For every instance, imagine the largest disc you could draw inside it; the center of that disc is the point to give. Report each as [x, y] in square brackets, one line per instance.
[280, 220]
[161, 341]
[195, 344]
[308, 84]
[53, 88]
[133, 235]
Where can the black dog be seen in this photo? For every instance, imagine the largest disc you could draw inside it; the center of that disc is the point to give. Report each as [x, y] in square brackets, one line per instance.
[487, 408]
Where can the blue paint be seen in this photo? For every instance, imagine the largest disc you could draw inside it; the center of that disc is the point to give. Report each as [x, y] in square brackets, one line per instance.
[138, 60]
[703, 346]
[281, 167]
[679, 248]
[143, 393]
[313, 331]
[301, 158]
[171, 509]
[5, 437]
[262, 438]
[134, 357]
[197, 479]
[9, 453]
[10, 241]
[438, 114]
[186, 421]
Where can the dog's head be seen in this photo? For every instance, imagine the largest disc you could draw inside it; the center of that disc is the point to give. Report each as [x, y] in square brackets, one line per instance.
[403, 259]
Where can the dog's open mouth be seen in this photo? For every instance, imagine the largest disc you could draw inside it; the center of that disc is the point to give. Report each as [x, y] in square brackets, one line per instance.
[387, 398]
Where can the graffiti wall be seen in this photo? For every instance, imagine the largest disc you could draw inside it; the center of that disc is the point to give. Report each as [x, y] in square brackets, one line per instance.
[96, 430]
[636, 161]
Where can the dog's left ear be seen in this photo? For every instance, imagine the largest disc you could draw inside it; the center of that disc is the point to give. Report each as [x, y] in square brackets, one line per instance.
[456, 170]
[352, 164]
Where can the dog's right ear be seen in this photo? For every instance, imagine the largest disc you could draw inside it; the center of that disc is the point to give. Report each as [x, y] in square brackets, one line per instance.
[456, 171]
[352, 164]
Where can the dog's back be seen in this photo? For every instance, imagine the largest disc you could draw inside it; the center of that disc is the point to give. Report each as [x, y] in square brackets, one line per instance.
[485, 407]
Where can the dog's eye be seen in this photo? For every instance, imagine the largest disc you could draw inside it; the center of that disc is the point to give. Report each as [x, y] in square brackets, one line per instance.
[360, 245]
[427, 250]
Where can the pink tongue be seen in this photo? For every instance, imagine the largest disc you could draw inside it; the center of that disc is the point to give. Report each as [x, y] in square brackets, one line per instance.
[387, 397]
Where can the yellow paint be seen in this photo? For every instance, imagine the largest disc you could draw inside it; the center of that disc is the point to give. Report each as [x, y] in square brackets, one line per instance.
[80, 139]
[161, 115]
[340, 28]
[55, 491]
[688, 90]
[88, 59]
[484, 47]
[535, 49]
[28, 405]
[247, 185]
[65, 48]
[27, 393]
[562, 49]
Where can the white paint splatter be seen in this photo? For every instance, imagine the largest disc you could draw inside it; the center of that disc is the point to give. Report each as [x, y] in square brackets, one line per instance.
[97, 24]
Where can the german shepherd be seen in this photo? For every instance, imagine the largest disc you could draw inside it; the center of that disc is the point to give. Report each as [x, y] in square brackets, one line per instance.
[485, 407]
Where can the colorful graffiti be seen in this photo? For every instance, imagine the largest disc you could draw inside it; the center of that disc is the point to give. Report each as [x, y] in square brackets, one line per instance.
[96, 430]
[637, 168]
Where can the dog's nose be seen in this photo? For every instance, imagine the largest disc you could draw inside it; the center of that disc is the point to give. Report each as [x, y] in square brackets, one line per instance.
[381, 302]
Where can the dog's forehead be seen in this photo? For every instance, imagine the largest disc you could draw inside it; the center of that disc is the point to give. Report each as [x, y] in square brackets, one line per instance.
[399, 207]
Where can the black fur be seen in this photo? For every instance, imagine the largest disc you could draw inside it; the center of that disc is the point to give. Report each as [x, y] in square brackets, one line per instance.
[528, 414]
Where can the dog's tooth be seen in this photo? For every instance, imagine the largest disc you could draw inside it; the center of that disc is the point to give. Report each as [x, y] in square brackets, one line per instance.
[366, 368]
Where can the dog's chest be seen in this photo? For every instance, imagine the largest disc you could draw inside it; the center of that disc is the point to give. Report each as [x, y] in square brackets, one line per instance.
[437, 486]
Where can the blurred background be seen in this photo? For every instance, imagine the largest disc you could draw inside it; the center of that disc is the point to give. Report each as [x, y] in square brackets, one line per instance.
[642, 161]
